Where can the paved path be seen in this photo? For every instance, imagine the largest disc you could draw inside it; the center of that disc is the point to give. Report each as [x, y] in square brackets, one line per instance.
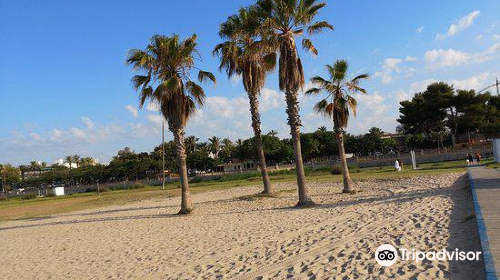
[485, 185]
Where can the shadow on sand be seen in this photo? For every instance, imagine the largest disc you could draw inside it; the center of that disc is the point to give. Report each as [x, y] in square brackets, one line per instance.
[398, 198]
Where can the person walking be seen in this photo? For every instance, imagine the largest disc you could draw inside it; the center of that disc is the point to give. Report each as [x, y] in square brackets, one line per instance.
[478, 158]
[470, 158]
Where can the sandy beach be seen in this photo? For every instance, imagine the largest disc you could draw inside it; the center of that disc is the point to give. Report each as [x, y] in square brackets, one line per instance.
[230, 237]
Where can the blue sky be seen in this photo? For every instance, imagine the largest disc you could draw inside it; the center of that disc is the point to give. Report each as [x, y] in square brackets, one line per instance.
[65, 89]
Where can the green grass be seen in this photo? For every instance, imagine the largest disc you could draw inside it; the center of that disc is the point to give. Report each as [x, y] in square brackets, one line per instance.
[495, 165]
[19, 208]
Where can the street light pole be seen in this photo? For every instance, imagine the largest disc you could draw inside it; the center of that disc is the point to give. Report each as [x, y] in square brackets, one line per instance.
[498, 89]
[163, 152]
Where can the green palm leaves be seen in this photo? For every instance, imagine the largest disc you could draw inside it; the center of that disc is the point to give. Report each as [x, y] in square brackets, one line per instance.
[167, 63]
[339, 103]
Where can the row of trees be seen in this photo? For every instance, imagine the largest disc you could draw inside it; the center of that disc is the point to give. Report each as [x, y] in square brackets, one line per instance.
[255, 39]
[441, 110]
[201, 157]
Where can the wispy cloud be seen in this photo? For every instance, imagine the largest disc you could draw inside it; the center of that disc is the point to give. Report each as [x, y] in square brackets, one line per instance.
[438, 58]
[132, 110]
[462, 24]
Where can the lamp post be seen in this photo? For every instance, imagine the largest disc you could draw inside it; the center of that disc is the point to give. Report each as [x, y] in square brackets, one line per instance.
[163, 153]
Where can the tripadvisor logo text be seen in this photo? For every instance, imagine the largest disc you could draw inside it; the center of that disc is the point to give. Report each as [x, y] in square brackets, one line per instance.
[387, 255]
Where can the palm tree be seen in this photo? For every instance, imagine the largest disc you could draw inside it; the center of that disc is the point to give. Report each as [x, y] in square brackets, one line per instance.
[272, 133]
[23, 169]
[283, 21]
[76, 160]
[338, 104]
[69, 161]
[214, 146]
[168, 63]
[191, 144]
[204, 147]
[242, 54]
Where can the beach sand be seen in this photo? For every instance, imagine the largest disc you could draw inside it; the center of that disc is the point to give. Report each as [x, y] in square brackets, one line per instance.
[232, 238]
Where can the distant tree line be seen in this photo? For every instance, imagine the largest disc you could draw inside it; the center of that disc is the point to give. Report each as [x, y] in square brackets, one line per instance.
[201, 156]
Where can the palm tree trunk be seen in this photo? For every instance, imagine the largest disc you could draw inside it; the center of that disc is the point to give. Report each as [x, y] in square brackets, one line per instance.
[294, 122]
[186, 204]
[254, 110]
[343, 161]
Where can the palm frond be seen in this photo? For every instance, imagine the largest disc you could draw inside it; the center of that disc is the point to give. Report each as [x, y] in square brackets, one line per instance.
[204, 76]
[196, 91]
[318, 27]
[308, 45]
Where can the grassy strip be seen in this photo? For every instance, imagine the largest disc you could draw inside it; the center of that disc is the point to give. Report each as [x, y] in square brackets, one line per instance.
[17, 208]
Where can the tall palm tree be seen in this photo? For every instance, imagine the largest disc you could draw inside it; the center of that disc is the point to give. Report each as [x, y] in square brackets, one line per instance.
[338, 104]
[284, 21]
[214, 146]
[167, 63]
[243, 54]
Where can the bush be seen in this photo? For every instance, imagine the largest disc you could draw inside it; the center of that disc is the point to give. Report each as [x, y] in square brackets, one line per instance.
[336, 170]
[131, 187]
[29, 196]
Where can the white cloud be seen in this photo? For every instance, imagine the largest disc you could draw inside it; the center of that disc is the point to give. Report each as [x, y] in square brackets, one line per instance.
[401, 95]
[496, 37]
[476, 82]
[153, 107]
[479, 37]
[88, 122]
[422, 85]
[78, 133]
[58, 135]
[235, 80]
[450, 57]
[442, 58]
[372, 111]
[132, 110]
[271, 99]
[155, 118]
[392, 66]
[420, 29]
[462, 24]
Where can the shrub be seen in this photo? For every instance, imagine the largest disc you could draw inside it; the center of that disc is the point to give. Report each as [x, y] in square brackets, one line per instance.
[29, 196]
[336, 170]
[137, 186]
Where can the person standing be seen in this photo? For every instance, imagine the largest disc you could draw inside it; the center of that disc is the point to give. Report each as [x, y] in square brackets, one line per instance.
[396, 165]
[478, 157]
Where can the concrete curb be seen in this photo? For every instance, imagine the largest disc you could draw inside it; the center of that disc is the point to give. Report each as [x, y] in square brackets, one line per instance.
[483, 236]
